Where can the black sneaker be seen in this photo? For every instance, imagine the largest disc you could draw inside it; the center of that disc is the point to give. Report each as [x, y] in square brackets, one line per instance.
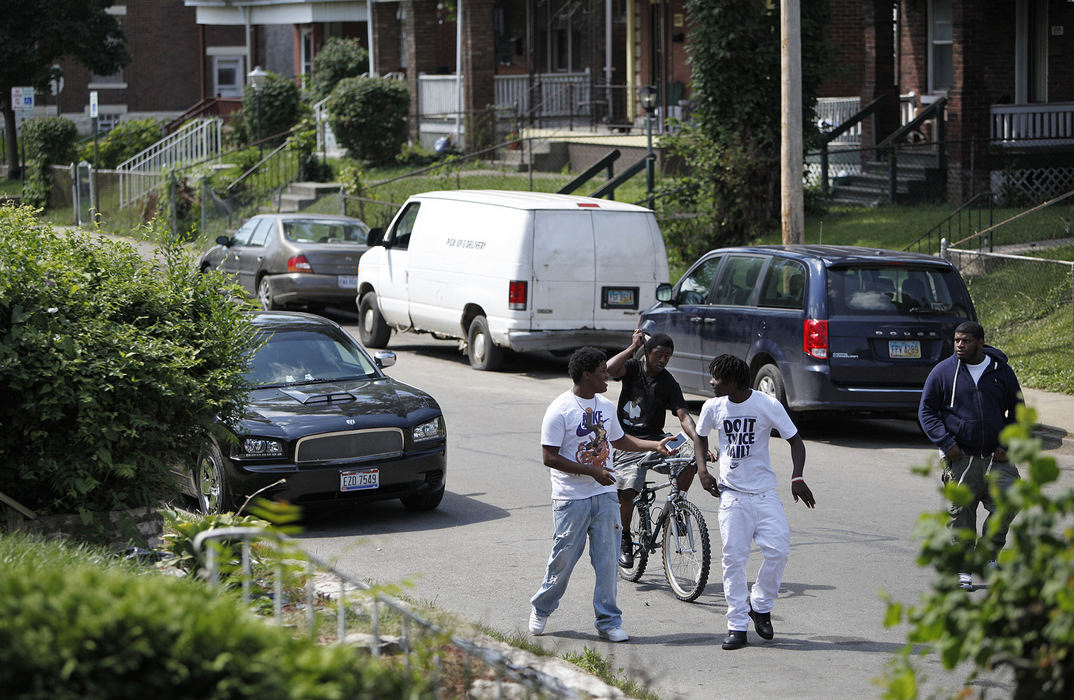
[762, 622]
[626, 554]
[734, 640]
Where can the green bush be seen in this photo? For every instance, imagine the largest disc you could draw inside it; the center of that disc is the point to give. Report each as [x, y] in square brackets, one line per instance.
[338, 59]
[114, 368]
[48, 141]
[128, 139]
[281, 108]
[74, 626]
[1024, 622]
[369, 117]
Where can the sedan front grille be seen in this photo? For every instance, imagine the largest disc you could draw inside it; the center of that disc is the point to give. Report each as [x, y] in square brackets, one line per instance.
[353, 444]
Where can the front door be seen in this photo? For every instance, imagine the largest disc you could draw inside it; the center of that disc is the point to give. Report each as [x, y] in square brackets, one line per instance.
[393, 293]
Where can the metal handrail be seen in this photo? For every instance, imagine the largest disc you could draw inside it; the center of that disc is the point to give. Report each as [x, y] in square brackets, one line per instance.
[829, 136]
[533, 679]
[957, 215]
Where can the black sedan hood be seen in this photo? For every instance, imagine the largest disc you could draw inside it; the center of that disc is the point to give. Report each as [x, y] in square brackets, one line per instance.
[307, 408]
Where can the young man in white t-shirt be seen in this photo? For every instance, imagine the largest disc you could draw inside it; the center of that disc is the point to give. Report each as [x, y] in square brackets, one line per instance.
[750, 509]
[578, 429]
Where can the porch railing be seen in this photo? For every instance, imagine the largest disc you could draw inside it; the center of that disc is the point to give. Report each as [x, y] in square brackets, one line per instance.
[553, 95]
[198, 140]
[1033, 125]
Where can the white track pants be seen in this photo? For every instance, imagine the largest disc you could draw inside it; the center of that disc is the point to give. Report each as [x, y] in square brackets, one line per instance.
[745, 518]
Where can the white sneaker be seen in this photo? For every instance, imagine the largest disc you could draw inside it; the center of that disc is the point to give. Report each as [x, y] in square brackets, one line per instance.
[965, 581]
[537, 623]
[615, 634]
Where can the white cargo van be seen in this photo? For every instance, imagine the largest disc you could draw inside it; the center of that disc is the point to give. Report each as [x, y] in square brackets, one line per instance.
[520, 270]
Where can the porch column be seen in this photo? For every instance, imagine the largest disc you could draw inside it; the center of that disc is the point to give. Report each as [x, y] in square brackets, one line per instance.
[420, 30]
[968, 103]
[878, 76]
[478, 71]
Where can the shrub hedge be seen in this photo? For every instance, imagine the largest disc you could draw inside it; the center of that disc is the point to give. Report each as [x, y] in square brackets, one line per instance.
[48, 141]
[339, 58]
[128, 139]
[73, 625]
[281, 108]
[369, 117]
[114, 368]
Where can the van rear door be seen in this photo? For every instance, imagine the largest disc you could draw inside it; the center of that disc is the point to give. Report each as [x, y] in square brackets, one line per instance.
[630, 262]
[564, 268]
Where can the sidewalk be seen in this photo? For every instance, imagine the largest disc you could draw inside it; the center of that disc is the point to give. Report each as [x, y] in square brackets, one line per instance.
[1055, 419]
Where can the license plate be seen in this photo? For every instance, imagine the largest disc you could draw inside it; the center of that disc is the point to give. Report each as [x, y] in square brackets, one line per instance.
[359, 480]
[347, 281]
[620, 298]
[910, 349]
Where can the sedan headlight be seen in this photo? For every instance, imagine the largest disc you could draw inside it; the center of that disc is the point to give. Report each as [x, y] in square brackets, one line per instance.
[429, 430]
[258, 447]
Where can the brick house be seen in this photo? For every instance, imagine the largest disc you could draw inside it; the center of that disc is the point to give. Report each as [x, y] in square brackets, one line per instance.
[1004, 67]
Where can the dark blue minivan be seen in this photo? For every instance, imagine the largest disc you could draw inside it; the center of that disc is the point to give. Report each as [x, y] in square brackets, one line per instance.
[823, 328]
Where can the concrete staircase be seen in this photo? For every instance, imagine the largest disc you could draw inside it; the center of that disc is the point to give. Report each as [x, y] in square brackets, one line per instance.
[300, 195]
[914, 182]
[547, 156]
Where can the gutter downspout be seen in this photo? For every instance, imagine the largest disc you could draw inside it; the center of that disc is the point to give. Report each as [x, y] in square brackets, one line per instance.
[608, 58]
[631, 28]
[369, 38]
[458, 73]
[249, 44]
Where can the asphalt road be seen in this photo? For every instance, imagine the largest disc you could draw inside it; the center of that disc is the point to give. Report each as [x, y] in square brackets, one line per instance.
[482, 553]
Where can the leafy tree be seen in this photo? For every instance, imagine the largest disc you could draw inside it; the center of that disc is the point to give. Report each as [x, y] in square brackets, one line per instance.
[369, 117]
[34, 34]
[1024, 621]
[48, 141]
[114, 369]
[734, 56]
[339, 59]
[127, 139]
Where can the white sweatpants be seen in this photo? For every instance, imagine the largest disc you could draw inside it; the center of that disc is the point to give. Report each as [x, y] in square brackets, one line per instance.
[745, 518]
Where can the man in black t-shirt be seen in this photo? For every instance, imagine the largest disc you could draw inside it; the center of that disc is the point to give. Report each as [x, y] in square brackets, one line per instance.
[648, 392]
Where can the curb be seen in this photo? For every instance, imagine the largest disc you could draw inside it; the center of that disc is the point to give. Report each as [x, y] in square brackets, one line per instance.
[1054, 439]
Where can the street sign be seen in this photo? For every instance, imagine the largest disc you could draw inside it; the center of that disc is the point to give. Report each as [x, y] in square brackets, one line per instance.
[93, 104]
[22, 98]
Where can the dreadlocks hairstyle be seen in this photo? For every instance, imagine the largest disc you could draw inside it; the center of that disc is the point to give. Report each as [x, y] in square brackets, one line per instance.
[585, 359]
[730, 370]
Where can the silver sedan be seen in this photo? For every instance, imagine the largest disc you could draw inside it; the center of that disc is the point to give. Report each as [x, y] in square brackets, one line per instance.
[292, 259]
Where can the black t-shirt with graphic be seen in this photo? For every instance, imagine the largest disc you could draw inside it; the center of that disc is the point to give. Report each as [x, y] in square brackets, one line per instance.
[643, 401]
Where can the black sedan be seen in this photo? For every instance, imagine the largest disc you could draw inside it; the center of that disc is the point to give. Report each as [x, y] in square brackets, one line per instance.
[289, 259]
[323, 423]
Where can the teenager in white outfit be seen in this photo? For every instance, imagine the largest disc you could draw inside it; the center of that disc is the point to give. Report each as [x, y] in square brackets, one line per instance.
[750, 509]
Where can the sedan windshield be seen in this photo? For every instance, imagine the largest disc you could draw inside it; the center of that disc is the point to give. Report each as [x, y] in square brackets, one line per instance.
[315, 231]
[307, 357]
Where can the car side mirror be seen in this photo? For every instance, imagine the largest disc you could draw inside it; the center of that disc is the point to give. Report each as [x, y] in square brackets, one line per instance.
[223, 240]
[384, 358]
[374, 237]
[663, 292]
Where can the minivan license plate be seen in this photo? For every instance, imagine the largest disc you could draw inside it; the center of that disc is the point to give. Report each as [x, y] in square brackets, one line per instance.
[910, 349]
[347, 281]
[359, 480]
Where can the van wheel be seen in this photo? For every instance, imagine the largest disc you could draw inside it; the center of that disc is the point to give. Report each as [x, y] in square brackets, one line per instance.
[769, 380]
[372, 329]
[484, 355]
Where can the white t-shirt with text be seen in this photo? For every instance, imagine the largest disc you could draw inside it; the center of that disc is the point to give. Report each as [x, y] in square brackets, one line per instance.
[744, 430]
[582, 429]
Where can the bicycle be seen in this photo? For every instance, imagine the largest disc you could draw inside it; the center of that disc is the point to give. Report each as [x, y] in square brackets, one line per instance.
[678, 528]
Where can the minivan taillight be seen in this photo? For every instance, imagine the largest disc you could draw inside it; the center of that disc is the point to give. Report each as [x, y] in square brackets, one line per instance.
[299, 264]
[815, 338]
[516, 295]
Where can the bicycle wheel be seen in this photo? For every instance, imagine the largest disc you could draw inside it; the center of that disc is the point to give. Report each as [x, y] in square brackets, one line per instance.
[686, 550]
[641, 552]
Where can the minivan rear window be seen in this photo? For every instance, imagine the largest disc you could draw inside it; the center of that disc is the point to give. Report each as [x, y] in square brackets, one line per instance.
[895, 290]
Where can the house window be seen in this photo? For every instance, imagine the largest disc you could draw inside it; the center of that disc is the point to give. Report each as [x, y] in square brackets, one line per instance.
[941, 52]
[307, 51]
[227, 76]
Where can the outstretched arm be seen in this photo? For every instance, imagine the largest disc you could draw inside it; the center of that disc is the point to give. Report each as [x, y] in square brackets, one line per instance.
[617, 365]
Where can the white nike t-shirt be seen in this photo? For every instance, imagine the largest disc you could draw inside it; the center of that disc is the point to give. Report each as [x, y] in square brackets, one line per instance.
[744, 430]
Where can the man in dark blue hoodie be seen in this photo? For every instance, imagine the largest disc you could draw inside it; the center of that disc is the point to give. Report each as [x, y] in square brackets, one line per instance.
[967, 401]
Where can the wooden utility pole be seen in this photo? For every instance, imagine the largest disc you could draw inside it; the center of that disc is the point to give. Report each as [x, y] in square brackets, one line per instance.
[792, 208]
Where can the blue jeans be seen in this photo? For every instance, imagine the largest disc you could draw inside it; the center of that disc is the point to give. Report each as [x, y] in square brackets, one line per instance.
[574, 520]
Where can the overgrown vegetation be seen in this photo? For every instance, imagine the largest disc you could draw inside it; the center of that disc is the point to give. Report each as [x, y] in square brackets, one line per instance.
[339, 58]
[269, 113]
[74, 624]
[369, 117]
[126, 140]
[114, 368]
[1024, 622]
[48, 141]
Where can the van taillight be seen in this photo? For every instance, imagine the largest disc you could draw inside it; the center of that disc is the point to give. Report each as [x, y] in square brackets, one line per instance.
[299, 264]
[516, 295]
[815, 338]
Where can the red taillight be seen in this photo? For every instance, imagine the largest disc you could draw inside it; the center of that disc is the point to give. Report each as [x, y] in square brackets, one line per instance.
[815, 338]
[516, 295]
[299, 264]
